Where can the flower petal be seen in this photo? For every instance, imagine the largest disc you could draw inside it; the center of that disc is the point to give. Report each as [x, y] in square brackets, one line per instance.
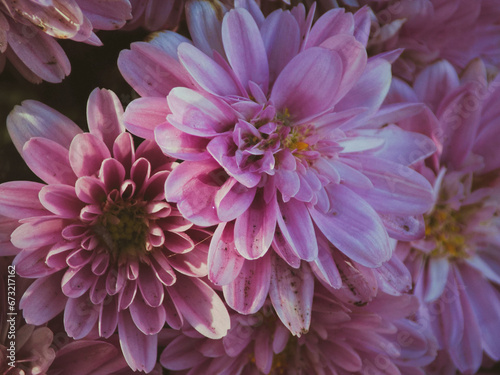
[19, 199]
[80, 316]
[86, 154]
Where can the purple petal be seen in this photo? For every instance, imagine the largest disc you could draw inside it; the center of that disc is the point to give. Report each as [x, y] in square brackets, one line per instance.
[354, 227]
[291, 294]
[32, 263]
[393, 277]
[332, 23]
[245, 49]
[254, 229]
[248, 292]
[19, 199]
[200, 306]
[308, 84]
[436, 275]
[86, 154]
[296, 226]
[143, 115]
[80, 316]
[404, 228]
[104, 116]
[324, 265]
[224, 263]
[49, 161]
[139, 350]
[179, 353]
[151, 288]
[77, 282]
[108, 317]
[43, 300]
[34, 119]
[233, 199]
[149, 320]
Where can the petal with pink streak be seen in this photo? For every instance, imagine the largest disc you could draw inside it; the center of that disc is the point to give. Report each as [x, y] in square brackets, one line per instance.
[19, 199]
[38, 232]
[49, 161]
[224, 262]
[108, 317]
[296, 226]
[40, 53]
[178, 144]
[143, 115]
[332, 23]
[198, 114]
[200, 306]
[86, 154]
[139, 350]
[34, 119]
[354, 227]
[80, 316]
[233, 199]
[308, 84]
[254, 229]
[151, 71]
[281, 35]
[291, 294]
[370, 89]
[104, 116]
[354, 59]
[193, 185]
[151, 288]
[43, 300]
[248, 291]
[149, 320]
[179, 354]
[245, 49]
[207, 73]
[61, 200]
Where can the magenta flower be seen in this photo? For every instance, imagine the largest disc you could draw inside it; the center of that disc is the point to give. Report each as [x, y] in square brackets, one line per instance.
[279, 124]
[456, 267]
[28, 29]
[376, 339]
[465, 30]
[99, 238]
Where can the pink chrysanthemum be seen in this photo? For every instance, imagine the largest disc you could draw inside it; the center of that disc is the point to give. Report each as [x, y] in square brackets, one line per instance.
[428, 30]
[456, 267]
[100, 239]
[280, 127]
[376, 339]
[28, 29]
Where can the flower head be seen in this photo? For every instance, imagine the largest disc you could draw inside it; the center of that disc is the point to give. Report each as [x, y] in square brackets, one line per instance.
[100, 239]
[282, 137]
[28, 29]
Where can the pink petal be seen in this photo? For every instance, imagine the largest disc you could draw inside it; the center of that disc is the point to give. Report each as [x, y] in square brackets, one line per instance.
[178, 144]
[86, 154]
[143, 115]
[245, 49]
[80, 316]
[124, 150]
[248, 291]
[333, 22]
[19, 199]
[76, 282]
[179, 354]
[325, 265]
[200, 306]
[38, 232]
[233, 199]
[90, 190]
[34, 119]
[254, 229]
[404, 228]
[43, 300]
[291, 293]
[354, 227]
[104, 116]
[32, 263]
[49, 161]
[149, 320]
[151, 288]
[61, 200]
[224, 263]
[308, 84]
[108, 317]
[296, 226]
[139, 350]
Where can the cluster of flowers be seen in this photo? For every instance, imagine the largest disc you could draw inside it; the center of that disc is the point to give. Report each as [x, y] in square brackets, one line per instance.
[317, 191]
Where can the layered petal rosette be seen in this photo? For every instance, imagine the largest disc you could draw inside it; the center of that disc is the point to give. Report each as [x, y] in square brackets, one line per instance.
[28, 30]
[456, 267]
[280, 128]
[99, 237]
[376, 339]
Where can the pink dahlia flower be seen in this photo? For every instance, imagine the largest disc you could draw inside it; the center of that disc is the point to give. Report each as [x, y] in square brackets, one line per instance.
[279, 124]
[99, 237]
[456, 268]
[376, 339]
[428, 30]
[28, 29]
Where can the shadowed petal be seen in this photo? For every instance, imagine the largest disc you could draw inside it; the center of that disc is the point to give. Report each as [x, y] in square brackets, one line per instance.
[149, 320]
[80, 316]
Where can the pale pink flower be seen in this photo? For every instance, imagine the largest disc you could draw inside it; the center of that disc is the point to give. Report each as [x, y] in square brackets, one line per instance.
[99, 238]
[29, 29]
[376, 339]
[456, 268]
[280, 127]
